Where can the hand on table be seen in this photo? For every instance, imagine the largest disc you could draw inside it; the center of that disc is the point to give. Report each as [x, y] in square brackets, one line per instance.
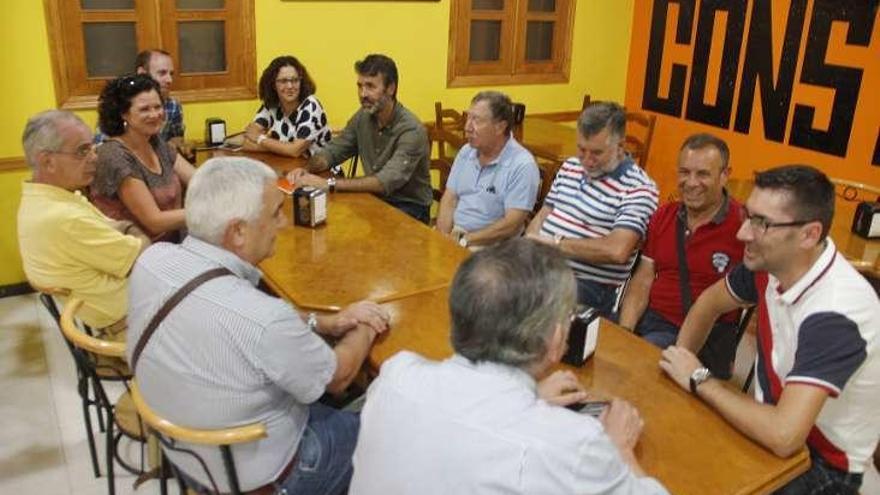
[623, 424]
[367, 313]
[561, 389]
[679, 363]
[252, 133]
[301, 177]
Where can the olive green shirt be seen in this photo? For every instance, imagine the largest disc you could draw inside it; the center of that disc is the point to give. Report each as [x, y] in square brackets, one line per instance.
[397, 154]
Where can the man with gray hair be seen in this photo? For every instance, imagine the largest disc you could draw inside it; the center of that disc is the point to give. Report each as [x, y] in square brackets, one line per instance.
[229, 354]
[67, 243]
[494, 180]
[598, 207]
[490, 418]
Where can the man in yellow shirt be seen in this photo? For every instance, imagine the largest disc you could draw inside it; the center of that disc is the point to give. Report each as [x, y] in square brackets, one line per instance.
[65, 242]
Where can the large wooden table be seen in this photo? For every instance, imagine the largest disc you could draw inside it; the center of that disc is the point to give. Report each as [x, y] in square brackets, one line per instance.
[685, 444]
[366, 250]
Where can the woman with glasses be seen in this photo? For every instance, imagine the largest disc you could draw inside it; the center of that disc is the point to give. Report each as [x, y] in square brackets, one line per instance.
[139, 176]
[291, 121]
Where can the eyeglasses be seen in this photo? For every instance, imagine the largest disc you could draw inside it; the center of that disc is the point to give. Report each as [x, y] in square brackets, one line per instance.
[81, 151]
[288, 80]
[760, 224]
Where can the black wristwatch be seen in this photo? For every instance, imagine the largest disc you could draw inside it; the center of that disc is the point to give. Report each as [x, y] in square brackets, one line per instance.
[331, 183]
[699, 376]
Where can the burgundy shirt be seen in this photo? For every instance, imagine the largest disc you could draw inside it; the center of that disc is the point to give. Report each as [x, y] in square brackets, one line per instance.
[711, 252]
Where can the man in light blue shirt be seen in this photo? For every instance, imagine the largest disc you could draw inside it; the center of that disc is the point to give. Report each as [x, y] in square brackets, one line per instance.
[494, 181]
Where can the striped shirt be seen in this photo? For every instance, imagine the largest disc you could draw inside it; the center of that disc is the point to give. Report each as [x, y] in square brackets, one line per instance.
[590, 208]
[227, 355]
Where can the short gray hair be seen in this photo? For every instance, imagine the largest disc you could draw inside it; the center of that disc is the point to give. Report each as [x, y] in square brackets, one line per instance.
[224, 190]
[42, 133]
[601, 115]
[500, 107]
[506, 301]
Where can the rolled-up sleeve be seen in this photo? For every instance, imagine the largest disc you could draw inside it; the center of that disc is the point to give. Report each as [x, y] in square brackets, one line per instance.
[412, 146]
[343, 146]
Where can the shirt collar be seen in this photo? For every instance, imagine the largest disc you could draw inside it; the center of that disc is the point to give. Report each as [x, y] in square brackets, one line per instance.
[227, 259]
[55, 192]
[502, 157]
[502, 371]
[615, 174]
[817, 271]
[720, 215]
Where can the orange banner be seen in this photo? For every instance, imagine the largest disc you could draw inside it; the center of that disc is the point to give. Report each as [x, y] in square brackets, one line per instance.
[782, 81]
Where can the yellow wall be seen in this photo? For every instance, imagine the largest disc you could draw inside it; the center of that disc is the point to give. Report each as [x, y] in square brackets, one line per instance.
[328, 36]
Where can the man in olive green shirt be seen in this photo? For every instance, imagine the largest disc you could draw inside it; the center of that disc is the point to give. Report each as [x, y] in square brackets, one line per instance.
[391, 141]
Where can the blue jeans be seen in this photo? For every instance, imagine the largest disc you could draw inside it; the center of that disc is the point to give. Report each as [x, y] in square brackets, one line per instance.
[822, 479]
[600, 297]
[323, 463]
[324, 454]
[421, 213]
[717, 353]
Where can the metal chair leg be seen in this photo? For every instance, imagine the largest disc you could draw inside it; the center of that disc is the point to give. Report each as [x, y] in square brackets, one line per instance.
[111, 482]
[90, 436]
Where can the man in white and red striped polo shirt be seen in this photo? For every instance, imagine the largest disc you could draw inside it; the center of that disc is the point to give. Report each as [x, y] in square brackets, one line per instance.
[598, 207]
[818, 373]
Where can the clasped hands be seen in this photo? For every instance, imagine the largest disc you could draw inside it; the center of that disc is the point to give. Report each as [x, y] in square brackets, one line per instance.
[301, 177]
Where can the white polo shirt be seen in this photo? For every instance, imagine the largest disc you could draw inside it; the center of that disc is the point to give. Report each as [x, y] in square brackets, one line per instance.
[823, 331]
[456, 427]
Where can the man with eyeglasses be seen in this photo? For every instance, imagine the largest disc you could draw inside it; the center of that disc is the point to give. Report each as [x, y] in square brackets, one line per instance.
[818, 326]
[690, 245]
[65, 242]
[494, 180]
[598, 208]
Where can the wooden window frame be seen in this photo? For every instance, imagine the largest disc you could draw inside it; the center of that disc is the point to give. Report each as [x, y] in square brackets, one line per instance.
[511, 68]
[155, 27]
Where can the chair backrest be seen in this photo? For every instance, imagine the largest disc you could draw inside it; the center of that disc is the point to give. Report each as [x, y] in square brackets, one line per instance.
[222, 438]
[448, 129]
[855, 191]
[443, 167]
[83, 340]
[638, 143]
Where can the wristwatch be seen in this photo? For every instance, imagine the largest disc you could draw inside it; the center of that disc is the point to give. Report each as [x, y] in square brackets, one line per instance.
[699, 376]
[312, 322]
[331, 183]
[463, 241]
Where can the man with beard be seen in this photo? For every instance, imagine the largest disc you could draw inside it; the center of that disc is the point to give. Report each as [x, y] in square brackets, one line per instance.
[817, 336]
[598, 207]
[392, 144]
[690, 245]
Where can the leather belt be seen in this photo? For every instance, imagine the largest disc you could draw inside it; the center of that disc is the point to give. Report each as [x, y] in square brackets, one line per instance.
[269, 488]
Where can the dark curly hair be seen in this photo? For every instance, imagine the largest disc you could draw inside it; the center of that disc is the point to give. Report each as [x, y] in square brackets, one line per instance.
[116, 97]
[267, 81]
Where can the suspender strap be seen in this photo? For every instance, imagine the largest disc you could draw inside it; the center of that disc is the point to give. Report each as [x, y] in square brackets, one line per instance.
[169, 305]
[684, 283]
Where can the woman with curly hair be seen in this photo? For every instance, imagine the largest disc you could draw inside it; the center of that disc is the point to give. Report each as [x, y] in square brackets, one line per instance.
[291, 121]
[139, 176]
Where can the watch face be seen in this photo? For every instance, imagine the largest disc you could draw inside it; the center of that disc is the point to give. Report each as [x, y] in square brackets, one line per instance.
[462, 241]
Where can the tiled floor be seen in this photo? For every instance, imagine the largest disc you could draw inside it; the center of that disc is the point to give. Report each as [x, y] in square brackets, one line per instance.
[42, 442]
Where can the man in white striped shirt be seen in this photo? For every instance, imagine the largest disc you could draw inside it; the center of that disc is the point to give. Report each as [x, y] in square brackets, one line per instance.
[230, 355]
[598, 207]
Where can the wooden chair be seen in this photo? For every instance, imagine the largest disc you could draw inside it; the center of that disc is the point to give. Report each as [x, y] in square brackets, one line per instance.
[92, 356]
[109, 369]
[169, 433]
[448, 129]
[850, 190]
[442, 166]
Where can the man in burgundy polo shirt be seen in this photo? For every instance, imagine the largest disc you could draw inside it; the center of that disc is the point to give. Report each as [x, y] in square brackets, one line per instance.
[701, 231]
